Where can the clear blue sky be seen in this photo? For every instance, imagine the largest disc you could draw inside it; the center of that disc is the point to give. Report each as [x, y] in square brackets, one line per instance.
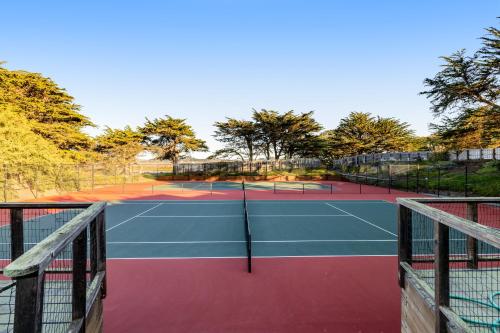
[204, 60]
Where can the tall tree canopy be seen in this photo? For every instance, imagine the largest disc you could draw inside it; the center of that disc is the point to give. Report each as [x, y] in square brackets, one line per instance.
[171, 137]
[27, 158]
[20, 145]
[464, 96]
[119, 145]
[286, 134]
[50, 110]
[362, 133]
[240, 138]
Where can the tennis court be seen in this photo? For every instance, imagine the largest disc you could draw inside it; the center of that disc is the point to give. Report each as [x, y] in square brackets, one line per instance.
[216, 229]
[317, 265]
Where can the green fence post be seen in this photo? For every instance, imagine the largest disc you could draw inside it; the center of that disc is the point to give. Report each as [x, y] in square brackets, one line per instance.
[466, 183]
[92, 178]
[439, 181]
[5, 179]
[418, 178]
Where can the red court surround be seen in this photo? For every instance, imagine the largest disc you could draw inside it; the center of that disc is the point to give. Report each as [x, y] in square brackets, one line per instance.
[340, 294]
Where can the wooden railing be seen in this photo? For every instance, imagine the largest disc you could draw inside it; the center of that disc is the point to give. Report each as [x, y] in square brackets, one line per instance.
[83, 242]
[412, 211]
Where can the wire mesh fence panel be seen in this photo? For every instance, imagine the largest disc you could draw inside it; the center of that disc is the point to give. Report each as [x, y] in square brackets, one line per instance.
[7, 304]
[454, 248]
[301, 188]
[440, 179]
[58, 292]
[37, 224]
[56, 275]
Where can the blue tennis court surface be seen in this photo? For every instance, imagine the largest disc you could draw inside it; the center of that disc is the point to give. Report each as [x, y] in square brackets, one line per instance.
[206, 229]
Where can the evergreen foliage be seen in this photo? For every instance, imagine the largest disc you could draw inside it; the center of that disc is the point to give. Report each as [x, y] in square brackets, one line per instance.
[50, 110]
[171, 138]
[119, 145]
[362, 133]
[464, 96]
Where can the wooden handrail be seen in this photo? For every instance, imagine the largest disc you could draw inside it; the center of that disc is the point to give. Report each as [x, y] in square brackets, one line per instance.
[46, 205]
[442, 223]
[479, 232]
[455, 200]
[40, 256]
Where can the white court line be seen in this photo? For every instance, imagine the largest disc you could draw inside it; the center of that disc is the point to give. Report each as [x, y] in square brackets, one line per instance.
[178, 242]
[432, 239]
[240, 215]
[363, 220]
[189, 216]
[133, 217]
[260, 257]
[305, 215]
[176, 202]
[267, 241]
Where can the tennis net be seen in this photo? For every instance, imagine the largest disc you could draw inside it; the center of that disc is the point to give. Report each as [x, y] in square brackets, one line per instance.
[248, 233]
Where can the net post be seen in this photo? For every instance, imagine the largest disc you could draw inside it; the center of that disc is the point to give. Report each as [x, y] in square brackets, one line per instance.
[472, 255]
[274, 187]
[248, 234]
[303, 188]
[404, 240]
[331, 188]
[442, 274]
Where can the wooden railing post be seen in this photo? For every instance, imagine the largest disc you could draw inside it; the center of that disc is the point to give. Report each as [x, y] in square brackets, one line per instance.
[404, 240]
[441, 274]
[29, 303]
[79, 279]
[101, 249]
[94, 253]
[472, 257]
[16, 233]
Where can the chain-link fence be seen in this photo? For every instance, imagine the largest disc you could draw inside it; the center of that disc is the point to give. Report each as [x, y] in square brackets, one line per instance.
[449, 249]
[419, 156]
[445, 179]
[236, 168]
[33, 181]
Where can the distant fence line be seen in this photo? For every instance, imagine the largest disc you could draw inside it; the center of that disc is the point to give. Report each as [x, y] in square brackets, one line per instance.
[33, 181]
[448, 179]
[454, 155]
[242, 167]
[475, 154]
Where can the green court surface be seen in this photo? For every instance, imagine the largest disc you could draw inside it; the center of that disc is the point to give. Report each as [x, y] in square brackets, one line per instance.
[206, 229]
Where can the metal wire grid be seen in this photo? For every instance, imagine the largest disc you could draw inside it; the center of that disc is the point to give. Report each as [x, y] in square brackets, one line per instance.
[58, 280]
[487, 214]
[37, 224]
[474, 291]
